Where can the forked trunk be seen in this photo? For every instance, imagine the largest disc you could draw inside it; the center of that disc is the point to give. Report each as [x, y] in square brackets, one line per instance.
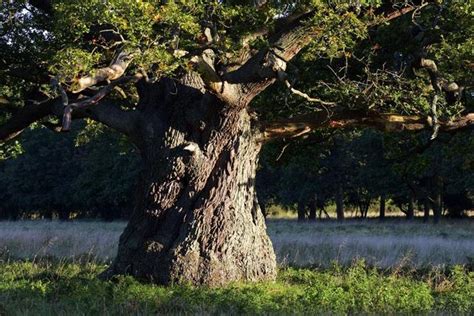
[198, 219]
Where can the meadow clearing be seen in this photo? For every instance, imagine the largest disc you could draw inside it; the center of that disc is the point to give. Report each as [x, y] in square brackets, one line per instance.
[392, 243]
[51, 267]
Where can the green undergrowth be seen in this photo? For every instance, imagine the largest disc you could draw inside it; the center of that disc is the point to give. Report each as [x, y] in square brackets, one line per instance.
[46, 288]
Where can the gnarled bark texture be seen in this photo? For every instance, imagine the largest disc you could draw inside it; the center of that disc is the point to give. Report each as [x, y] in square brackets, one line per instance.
[198, 219]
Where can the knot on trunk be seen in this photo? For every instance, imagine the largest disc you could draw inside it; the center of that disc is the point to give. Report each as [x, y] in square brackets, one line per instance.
[193, 158]
[273, 64]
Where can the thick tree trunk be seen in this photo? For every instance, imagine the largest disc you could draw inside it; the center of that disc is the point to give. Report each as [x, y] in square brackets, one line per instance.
[438, 207]
[197, 219]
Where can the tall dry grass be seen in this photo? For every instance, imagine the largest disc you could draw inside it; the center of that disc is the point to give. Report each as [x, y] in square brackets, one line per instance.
[385, 245]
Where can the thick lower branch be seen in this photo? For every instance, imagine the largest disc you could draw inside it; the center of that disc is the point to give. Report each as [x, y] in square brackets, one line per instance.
[23, 118]
[104, 112]
[112, 112]
[351, 118]
[111, 115]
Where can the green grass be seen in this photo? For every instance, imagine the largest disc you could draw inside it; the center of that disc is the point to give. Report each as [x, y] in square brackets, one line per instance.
[47, 287]
[50, 268]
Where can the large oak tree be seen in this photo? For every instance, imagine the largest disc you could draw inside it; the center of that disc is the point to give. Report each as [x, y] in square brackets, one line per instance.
[178, 78]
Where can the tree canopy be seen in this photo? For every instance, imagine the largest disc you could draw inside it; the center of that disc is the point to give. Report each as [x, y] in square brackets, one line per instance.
[354, 59]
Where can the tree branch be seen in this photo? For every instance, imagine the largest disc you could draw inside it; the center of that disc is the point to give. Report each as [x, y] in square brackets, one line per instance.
[112, 116]
[104, 112]
[305, 95]
[88, 102]
[352, 118]
[284, 46]
[262, 69]
[27, 115]
[389, 11]
[113, 72]
[280, 24]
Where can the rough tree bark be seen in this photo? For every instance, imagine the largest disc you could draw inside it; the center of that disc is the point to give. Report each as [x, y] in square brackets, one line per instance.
[197, 218]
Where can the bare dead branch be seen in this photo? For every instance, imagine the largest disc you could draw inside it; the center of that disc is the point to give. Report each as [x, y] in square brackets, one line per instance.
[113, 72]
[306, 96]
[62, 93]
[85, 103]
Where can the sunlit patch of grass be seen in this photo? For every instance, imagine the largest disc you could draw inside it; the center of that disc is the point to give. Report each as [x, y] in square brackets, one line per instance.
[45, 288]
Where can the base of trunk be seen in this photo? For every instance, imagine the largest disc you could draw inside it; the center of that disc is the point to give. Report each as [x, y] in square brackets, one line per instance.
[246, 254]
[201, 222]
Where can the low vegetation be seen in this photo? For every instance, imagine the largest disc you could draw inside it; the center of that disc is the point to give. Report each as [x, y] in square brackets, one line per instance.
[60, 288]
[51, 267]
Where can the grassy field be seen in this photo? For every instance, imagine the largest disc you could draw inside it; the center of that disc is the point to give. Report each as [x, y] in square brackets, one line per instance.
[384, 245]
[325, 267]
[45, 288]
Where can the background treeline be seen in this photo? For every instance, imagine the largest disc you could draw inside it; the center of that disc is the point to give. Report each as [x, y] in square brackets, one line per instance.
[84, 173]
[355, 170]
[92, 172]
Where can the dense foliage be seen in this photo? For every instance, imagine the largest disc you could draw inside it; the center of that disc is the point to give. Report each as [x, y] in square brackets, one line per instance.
[87, 173]
[368, 165]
